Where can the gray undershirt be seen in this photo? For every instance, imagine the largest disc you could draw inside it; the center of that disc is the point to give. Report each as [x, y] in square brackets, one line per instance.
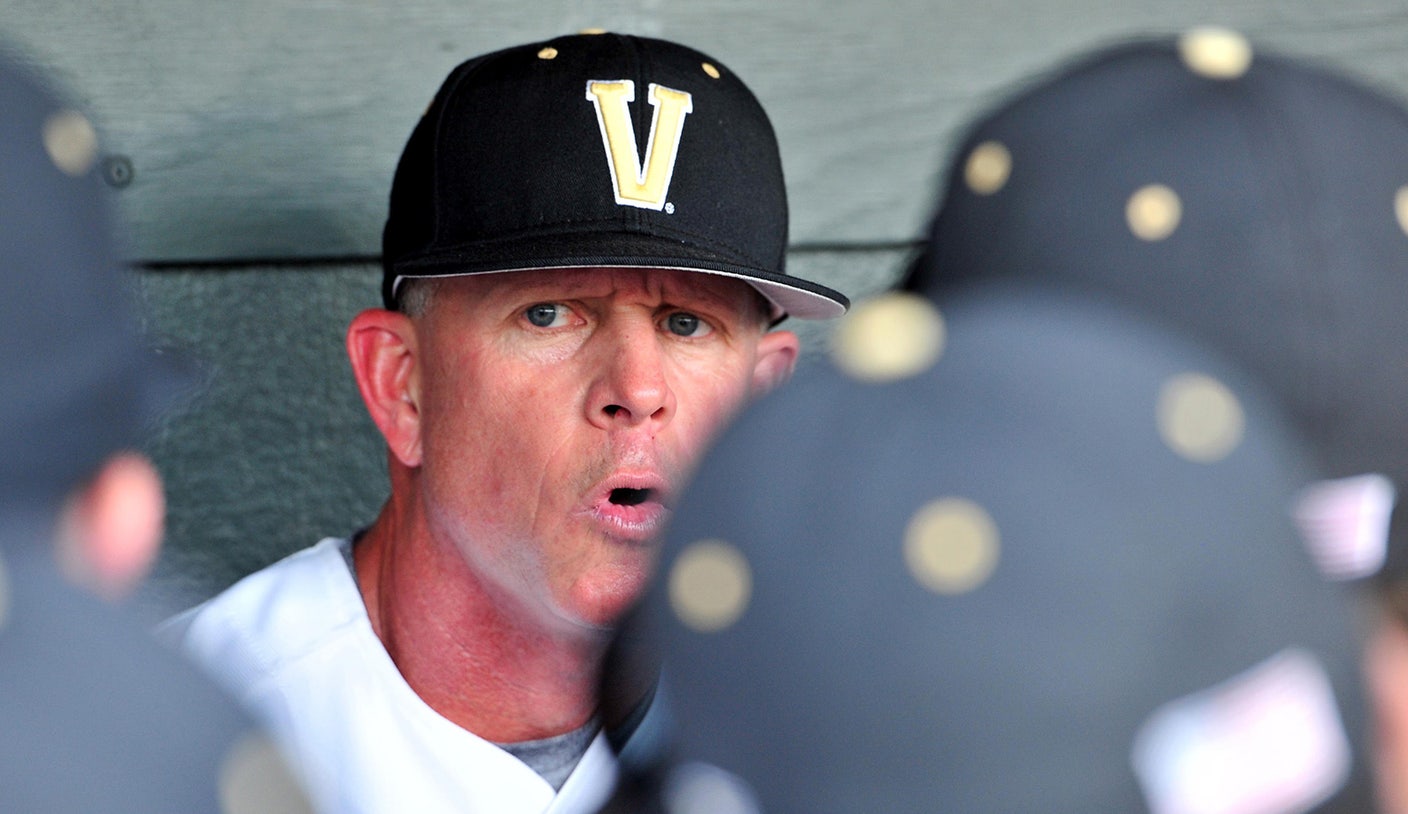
[552, 758]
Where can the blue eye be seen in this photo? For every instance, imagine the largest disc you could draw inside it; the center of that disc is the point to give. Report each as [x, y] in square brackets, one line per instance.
[681, 323]
[544, 314]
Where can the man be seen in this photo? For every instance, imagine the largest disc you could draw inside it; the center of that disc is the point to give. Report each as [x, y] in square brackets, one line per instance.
[568, 319]
[94, 715]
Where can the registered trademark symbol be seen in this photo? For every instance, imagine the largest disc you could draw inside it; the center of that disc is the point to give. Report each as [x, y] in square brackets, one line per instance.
[669, 209]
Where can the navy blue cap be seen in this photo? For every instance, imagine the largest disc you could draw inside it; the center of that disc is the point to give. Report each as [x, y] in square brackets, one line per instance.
[1257, 201]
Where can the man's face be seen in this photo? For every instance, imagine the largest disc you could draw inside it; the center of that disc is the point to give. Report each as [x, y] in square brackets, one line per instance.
[560, 411]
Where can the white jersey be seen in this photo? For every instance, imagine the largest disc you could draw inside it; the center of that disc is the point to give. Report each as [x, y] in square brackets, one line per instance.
[294, 642]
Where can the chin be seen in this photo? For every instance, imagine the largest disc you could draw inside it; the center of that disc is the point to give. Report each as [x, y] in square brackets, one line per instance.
[598, 601]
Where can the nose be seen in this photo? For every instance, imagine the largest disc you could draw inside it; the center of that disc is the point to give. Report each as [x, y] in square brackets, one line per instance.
[631, 387]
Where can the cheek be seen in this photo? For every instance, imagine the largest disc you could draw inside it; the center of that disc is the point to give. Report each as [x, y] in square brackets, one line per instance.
[723, 407]
[710, 399]
[730, 385]
[465, 431]
[505, 441]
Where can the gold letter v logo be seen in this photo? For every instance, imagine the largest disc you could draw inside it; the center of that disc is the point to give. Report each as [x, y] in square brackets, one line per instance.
[634, 184]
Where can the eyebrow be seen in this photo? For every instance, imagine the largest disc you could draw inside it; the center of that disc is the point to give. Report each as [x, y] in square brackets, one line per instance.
[569, 284]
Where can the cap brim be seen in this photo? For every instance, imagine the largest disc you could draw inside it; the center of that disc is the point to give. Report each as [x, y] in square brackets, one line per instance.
[790, 295]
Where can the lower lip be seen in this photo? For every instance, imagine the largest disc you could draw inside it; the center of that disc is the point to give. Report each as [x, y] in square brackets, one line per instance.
[638, 523]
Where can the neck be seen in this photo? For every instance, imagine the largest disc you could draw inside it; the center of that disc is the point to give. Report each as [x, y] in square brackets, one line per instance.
[475, 659]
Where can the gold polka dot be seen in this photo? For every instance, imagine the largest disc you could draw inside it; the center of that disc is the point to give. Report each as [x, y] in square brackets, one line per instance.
[254, 779]
[892, 336]
[710, 585]
[548, 53]
[1199, 417]
[591, 32]
[951, 545]
[1153, 212]
[987, 168]
[1400, 207]
[71, 142]
[1216, 53]
[711, 70]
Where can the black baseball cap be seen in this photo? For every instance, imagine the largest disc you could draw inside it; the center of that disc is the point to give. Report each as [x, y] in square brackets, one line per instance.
[1257, 200]
[78, 382]
[596, 150]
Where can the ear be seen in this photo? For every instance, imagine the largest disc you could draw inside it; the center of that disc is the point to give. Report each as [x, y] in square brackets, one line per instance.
[777, 356]
[110, 529]
[382, 348]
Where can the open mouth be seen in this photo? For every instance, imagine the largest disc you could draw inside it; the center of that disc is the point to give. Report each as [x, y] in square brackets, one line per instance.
[625, 496]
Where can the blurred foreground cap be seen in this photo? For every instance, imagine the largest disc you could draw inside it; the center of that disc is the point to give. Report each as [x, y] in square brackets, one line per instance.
[1049, 568]
[76, 380]
[1255, 200]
